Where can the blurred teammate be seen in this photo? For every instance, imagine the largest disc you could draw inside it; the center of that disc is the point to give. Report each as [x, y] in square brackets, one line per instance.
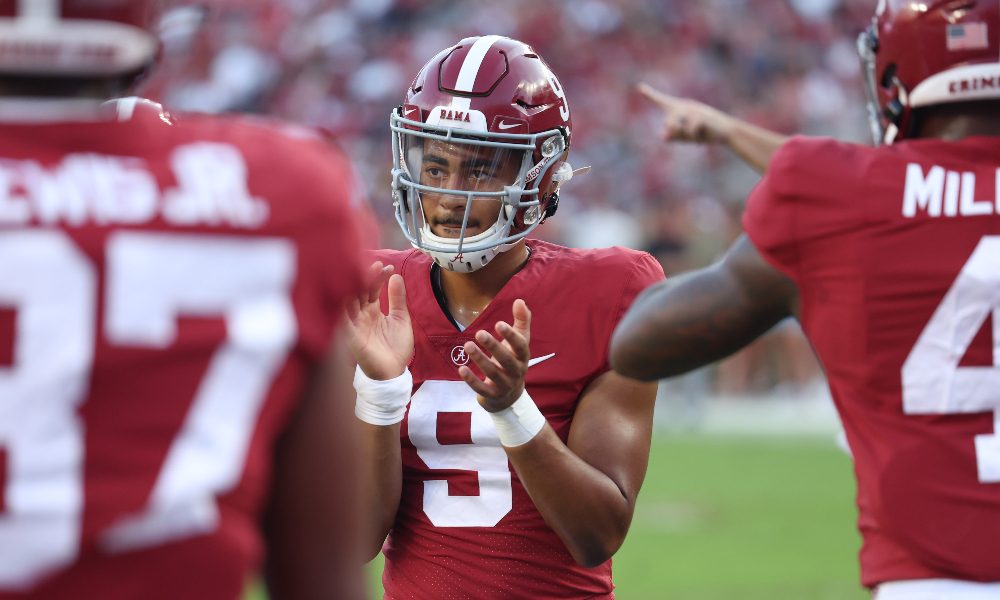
[508, 456]
[890, 256]
[167, 294]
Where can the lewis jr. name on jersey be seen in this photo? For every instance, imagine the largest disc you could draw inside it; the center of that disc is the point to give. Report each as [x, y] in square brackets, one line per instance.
[86, 188]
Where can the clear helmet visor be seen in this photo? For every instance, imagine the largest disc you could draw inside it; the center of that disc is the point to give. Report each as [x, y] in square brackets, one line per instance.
[462, 185]
[458, 192]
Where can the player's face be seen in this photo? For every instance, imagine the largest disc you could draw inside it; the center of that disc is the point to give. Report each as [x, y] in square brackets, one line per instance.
[457, 166]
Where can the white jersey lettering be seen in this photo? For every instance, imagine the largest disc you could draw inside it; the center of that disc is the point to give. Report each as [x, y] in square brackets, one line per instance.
[940, 192]
[88, 188]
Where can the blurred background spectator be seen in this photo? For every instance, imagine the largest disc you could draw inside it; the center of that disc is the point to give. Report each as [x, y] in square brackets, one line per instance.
[340, 65]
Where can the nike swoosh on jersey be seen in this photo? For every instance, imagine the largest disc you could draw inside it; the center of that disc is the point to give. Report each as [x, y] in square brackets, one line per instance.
[534, 361]
[502, 125]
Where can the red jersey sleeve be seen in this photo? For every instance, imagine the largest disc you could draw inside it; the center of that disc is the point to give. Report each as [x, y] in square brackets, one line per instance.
[769, 219]
[334, 237]
[643, 272]
[801, 199]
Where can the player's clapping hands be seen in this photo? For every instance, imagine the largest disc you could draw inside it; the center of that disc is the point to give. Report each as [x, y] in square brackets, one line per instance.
[382, 343]
[503, 361]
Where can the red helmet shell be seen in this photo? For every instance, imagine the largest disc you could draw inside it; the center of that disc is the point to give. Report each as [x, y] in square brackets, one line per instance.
[503, 79]
[934, 52]
[483, 92]
[500, 78]
[76, 37]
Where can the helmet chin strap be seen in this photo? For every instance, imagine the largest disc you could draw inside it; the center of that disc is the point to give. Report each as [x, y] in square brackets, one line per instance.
[890, 134]
[464, 262]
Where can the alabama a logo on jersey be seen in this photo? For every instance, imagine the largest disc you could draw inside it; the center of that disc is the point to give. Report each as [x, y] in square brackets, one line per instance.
[458, 356]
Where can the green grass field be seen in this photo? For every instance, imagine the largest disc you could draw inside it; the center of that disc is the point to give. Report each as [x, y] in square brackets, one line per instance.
[754, 519]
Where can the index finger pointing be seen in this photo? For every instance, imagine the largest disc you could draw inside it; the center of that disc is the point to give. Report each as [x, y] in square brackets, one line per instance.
[657, 97]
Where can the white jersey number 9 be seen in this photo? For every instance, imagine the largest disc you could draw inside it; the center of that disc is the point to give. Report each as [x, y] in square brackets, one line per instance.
[484, 455]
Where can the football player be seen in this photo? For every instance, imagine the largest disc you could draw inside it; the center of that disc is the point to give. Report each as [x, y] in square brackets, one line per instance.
[168, 292]
[507, 455]
[890, 258]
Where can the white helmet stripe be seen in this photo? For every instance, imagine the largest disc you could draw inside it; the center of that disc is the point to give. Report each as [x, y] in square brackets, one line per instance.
[470, 69]
[39, 10]
[958, 84]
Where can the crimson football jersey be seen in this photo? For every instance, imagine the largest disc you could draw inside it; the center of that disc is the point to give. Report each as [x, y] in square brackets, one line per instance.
[165, 290]
[896, 253]
[466, 527]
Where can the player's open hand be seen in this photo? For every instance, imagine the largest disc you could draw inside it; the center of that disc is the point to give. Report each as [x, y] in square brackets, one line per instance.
[503, 361]
[689, 120]
[382, 343]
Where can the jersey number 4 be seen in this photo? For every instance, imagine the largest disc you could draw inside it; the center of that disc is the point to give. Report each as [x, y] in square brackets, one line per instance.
[151, 280]
[933, 381]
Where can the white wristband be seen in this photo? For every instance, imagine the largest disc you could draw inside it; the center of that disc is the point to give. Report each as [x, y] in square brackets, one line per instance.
[382, 402]
[520, 422]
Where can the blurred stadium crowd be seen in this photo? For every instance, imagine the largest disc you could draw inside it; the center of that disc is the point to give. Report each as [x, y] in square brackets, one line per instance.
[340, 65]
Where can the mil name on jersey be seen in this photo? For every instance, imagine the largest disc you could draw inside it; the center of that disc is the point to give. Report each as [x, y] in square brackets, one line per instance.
[940, 192]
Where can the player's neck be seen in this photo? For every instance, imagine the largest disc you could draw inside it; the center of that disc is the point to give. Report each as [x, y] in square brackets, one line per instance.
[958, 121]
[468, 294]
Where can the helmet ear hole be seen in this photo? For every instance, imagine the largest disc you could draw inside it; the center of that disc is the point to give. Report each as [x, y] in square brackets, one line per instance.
[888, 76]
[894, 110]
[553, 205]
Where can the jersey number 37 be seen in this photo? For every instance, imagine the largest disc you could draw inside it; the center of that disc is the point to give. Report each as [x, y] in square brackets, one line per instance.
[150, 280]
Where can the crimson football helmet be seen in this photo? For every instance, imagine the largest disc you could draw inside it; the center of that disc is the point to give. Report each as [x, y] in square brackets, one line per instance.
[76, 38]
[494, 101]
[921, 53]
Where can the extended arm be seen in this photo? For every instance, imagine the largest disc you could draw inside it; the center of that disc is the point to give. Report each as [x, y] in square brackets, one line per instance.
[585, 489]
[700, 317]
[691, 121]
[312, 520]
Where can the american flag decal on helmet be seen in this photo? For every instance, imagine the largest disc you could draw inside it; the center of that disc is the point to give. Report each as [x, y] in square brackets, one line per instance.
[967, 36]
